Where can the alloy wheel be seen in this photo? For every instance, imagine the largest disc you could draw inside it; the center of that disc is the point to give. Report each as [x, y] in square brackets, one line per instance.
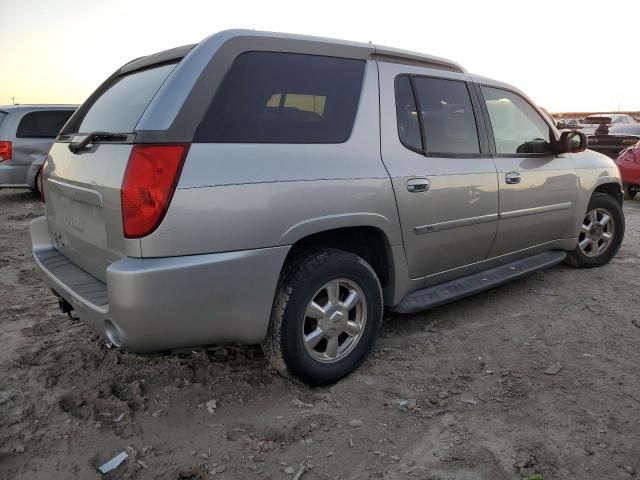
[596, 233]
[334, 320]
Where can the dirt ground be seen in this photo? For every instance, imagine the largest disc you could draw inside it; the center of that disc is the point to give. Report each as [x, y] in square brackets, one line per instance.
[459, 392]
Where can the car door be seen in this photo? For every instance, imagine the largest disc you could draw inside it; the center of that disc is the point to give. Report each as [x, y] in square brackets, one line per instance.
[537, 187]
[442, 173]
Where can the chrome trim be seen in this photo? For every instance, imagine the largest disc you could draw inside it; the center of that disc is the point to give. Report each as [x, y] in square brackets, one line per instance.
[462, 222]
[534, 210]
[80, 194]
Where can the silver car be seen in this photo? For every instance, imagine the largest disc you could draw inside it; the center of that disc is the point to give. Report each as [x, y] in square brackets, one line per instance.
[284, 190]
[26, 134]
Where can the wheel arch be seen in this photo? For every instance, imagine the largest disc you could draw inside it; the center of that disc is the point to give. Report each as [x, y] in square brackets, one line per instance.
[613, 189]
[369, 242]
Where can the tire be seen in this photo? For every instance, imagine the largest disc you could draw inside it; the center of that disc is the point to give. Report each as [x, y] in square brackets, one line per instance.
[630, 192]
[313, 276]
[597, 254]
[36, 185]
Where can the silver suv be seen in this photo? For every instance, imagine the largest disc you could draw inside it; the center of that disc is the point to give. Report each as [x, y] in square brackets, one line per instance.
[26, 134]
[284, 190]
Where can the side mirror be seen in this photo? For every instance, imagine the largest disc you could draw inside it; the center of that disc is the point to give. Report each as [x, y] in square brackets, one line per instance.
[571, 142]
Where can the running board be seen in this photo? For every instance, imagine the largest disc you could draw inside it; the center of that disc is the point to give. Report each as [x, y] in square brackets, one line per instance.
[449, 291]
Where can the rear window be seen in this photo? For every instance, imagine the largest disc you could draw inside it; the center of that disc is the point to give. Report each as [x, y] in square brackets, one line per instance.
[120, 107]
[2, 115]
[43, 124]
[269, 97]
[597, 120]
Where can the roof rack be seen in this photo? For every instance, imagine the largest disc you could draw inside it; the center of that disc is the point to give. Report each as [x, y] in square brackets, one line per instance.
[395, 55]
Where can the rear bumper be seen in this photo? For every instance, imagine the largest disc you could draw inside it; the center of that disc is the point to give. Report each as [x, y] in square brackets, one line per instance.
[160, 303]
[13, 176]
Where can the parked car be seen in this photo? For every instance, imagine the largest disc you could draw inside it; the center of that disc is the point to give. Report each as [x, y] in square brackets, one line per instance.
[573, 124]
[605, 120]
[629, 164]
[617, 138]
[282, 189]
[26, 134]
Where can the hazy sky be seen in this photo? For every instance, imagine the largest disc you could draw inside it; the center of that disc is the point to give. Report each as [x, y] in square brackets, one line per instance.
[566, 54]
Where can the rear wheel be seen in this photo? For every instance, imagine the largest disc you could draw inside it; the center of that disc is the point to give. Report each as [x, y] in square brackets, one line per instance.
[325, 318]
[36, 184]
[601, 233]
[630, 192]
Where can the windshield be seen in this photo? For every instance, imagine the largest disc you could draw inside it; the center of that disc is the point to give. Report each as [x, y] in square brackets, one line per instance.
[120, 107]
[597, 120]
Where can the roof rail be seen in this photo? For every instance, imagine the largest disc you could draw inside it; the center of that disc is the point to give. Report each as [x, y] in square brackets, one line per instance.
[406, 57]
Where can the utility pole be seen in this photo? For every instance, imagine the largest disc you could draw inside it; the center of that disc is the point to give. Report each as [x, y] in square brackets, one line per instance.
[13, 100]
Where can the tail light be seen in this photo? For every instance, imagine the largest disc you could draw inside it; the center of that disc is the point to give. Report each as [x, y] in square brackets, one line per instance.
[5, 151]
[149, 182]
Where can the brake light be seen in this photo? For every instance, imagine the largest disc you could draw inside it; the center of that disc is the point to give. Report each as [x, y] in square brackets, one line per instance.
[148, 185]
[5, 151]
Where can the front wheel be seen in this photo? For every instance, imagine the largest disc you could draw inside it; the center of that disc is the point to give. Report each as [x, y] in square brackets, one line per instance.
[325, 318]
[601, 233]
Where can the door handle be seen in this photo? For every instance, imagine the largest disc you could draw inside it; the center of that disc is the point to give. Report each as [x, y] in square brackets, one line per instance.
[512, 178]
[418, 184]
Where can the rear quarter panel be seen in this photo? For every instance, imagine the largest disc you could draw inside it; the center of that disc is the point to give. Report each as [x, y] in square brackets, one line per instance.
[246, 196]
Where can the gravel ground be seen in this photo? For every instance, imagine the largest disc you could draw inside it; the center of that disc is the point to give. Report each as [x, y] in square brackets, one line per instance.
[459, 392]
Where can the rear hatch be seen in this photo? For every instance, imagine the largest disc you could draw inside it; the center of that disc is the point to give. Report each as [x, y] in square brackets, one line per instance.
[83, 180]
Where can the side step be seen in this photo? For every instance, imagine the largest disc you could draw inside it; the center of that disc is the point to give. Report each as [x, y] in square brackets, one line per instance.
[455, 289]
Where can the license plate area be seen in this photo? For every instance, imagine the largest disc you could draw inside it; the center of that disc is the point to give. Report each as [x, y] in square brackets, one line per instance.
[75, 213]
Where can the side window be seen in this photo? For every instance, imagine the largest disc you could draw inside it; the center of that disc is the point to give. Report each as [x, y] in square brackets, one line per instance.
[517, 127]
[407, 115]
[44, 124]
[447, 116]
[269, 97]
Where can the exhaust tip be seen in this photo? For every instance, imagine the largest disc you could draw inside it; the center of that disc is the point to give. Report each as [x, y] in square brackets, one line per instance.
[112, 333]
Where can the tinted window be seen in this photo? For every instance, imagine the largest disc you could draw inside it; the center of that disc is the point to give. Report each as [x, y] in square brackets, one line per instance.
[407, 114]
[517, 126]
[271, 97]
[597, 120]
[120, 107]
[447, 116]
[2, 115]
[44, 124]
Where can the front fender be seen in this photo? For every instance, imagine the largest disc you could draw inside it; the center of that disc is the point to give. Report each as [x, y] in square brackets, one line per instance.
[593, 171]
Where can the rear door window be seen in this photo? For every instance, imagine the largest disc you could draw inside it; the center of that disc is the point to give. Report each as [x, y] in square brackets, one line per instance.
[407, 115]
[447, 116]
[120, 107]
[42, 124]
[269, 97]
